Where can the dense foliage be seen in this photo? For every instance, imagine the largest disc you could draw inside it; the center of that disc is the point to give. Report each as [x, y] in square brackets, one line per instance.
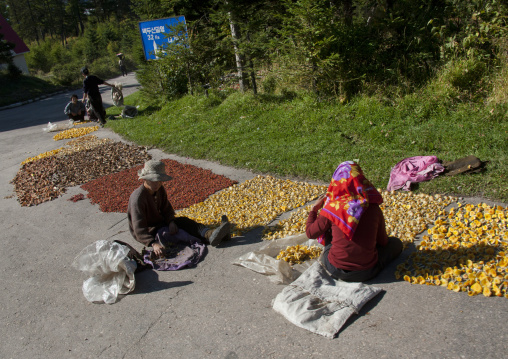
[331, 47]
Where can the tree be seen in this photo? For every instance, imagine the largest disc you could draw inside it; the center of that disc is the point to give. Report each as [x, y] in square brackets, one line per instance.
[168, 77]
[5, 50]
[74, 12]
[92, 51]
[4, 9]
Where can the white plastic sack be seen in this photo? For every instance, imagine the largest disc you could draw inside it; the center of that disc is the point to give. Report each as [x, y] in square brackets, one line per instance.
[52, 127]
[111, 272]
[264, 260]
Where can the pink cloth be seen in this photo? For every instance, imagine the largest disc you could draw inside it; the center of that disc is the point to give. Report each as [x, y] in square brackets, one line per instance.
[414, 169]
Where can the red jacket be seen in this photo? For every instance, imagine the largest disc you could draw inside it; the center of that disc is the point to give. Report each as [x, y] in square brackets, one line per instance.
[357, 254]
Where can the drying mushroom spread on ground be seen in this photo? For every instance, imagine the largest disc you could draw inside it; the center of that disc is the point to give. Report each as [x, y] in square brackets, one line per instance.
[465, 250]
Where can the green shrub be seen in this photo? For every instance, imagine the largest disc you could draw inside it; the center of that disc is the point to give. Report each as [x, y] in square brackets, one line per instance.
[104, 67]
[269, 84]
[165, 78]
[38, 59]
[13, 70]
[466, 74]
[78, 49]
[92, 49]
[65, 74]
[59, 54]
[288, 94]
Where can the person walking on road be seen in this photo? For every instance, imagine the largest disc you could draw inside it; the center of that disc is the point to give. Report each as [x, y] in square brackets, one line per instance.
[121, 63]
[149, 210]
[92, 94]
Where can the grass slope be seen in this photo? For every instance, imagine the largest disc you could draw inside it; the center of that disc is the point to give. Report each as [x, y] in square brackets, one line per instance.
[300, 137]
[23, 88]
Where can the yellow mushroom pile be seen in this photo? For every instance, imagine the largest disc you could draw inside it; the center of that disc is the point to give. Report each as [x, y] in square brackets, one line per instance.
[298, 254]
[408, 214]
[253, 203]
[79, 122]
[295, 224]
[82, 144]
[42, 155]
[465, 251]
[76, 145]
[75, 132]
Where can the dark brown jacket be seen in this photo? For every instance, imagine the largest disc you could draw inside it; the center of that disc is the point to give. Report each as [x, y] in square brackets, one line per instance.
[148, 213]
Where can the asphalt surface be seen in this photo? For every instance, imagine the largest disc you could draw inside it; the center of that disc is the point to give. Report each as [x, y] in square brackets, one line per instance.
[215, 310]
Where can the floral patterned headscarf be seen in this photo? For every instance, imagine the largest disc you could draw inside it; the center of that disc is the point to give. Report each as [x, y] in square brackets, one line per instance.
[348, 196]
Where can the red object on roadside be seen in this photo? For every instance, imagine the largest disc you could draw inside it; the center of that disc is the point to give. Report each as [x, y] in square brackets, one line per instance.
[190, 185]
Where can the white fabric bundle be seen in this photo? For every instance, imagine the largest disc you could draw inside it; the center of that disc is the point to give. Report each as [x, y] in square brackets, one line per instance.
[321, 304]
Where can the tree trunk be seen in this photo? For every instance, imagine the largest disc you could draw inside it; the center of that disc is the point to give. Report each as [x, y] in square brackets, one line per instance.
[62, 16]
[80, 21]
[191, 90]
[33, 21]
[253, 78]
[238, 55]
[348, 11]
[314, 77]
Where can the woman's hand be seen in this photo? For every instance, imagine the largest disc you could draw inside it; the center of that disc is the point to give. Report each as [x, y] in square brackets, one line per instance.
[173, 228]
[157, 249]
[320, 202]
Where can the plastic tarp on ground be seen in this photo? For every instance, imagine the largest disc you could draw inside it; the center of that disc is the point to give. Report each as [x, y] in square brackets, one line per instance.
[111, 271]
[264, 260]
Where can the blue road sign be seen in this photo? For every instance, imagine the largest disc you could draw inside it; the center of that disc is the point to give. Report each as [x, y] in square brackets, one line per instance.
[156, 34]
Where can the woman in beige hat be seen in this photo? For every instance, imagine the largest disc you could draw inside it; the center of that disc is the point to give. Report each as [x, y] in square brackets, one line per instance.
[150, 210]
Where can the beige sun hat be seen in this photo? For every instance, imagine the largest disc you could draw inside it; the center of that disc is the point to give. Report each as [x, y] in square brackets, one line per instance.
[154, 171]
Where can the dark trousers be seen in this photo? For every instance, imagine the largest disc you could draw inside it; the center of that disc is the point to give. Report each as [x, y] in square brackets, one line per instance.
[385, 255]
[192, 227]
[80, 117]
[98, 108]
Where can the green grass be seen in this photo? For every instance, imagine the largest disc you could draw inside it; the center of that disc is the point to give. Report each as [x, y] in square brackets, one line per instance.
[303, 138]
[23, 88]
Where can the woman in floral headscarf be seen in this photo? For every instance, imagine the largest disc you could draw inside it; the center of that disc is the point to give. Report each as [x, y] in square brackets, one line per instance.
[352, 227]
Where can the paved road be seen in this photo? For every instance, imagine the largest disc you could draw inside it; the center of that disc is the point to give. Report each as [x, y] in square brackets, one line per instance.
[216, 310]
[51, 109]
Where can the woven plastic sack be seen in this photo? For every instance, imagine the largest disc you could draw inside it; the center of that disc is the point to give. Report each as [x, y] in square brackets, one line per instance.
[129, 112]
[265, 260]
[321, 304]
[111, 271]
[117, 95]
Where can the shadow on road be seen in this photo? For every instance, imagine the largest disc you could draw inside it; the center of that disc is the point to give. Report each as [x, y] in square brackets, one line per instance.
[148, 282]
[387, 275]
[371, 304]
[253, 236]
